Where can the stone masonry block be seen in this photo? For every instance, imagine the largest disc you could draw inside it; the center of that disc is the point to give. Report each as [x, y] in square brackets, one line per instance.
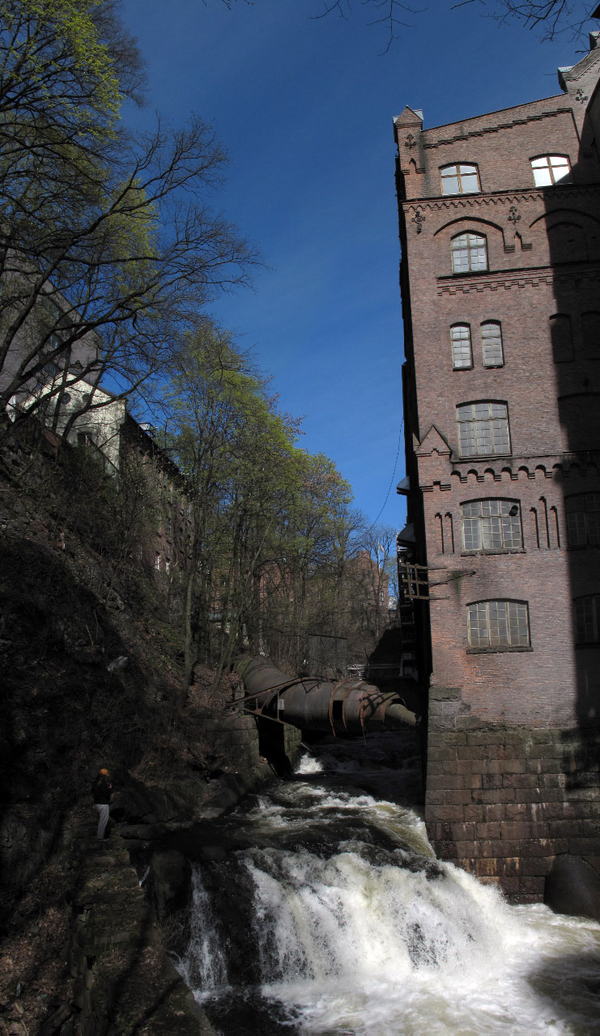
[460, 797]
[517, 811]
[521, 780]
[471, 752]
[533, 886]
[475, 813]
[495, 795]
[584, 846]
[523, 829]
[544, 847]
[567, 828]
[585, 794]
[464, 832]
[447, 781]
[444, 694]
[536, 865]
[441, 754]
[442, 813]
[510, 886]
[467, 849]
[491, 830]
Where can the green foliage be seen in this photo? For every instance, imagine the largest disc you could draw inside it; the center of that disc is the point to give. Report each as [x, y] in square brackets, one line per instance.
[273, 526]
[53, 47]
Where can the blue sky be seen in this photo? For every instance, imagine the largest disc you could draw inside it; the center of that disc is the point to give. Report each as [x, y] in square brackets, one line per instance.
[304, 107]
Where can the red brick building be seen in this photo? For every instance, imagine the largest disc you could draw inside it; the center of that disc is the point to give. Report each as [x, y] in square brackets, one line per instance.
[500, 279]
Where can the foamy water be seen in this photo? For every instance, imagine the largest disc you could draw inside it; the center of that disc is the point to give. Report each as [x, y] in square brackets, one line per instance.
[353, 929]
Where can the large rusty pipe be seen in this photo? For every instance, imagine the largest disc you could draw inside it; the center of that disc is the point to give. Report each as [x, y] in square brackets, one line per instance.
[347, 707]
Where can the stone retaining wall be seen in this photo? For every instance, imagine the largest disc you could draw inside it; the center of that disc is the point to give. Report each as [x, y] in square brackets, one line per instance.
[503, 801]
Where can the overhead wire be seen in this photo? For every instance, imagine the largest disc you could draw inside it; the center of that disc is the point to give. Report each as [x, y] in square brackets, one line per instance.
[392, 478]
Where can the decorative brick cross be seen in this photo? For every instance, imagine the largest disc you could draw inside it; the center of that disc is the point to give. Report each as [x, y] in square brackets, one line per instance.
[419, 219]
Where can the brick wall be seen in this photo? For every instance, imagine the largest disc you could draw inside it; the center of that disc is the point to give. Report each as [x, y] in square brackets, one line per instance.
[512, 772]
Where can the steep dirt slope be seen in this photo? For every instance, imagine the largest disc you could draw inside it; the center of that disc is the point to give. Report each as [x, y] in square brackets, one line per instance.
[91, 675]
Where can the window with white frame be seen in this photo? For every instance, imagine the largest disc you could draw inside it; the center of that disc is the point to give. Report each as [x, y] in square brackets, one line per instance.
[583, 519]
[587, 610]
[491, 344]
[483, 429]
[460, 340]
[549, 169]
[460, 179]
[469, 253]
[491, 525]
[498, 624]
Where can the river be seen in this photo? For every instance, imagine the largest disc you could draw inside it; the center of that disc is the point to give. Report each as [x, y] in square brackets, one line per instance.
[333, 918]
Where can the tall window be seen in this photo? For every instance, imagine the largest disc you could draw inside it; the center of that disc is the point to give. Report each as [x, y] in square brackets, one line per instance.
[491, 525]
[583, 519]
[498, 624]
[590, 327]
[562, 337]
[460, 338]
[460, 179]
[491, 344]
[549, 169]
[587, 611]
[482, 429]
[469, 253]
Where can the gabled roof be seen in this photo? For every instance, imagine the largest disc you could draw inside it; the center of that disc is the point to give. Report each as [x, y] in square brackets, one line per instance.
[433, 442]
[409, 117]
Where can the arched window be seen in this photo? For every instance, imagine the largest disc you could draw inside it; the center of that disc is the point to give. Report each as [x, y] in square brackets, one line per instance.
[460, 179]
[587, 613]
[567, 243]
[491, 525]
[469, 253]
[549, 169]
[498, 624]
[483, 429]
[590, 329]
[583, 519]
[460, 340]
[491, 344]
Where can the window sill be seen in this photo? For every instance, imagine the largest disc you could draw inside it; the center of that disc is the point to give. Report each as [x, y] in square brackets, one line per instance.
[469, 458]
[501, 550]
[497, 650]
[467, 273]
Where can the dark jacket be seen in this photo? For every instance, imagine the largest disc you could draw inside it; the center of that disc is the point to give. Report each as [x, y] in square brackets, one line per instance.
[101, 789]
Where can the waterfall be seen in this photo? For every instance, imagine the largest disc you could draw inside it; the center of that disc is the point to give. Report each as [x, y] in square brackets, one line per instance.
[336, 920]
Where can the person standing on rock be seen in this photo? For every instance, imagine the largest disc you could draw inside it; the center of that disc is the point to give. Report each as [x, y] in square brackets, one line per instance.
[102, 791]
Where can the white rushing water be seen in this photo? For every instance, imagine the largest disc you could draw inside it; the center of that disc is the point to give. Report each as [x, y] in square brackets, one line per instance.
[355, 930]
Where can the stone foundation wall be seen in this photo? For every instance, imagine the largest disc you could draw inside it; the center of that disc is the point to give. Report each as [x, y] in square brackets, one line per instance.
[503, 801]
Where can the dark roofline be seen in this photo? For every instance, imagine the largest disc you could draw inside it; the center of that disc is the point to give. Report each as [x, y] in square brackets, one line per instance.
[496, 111]
[156, 451]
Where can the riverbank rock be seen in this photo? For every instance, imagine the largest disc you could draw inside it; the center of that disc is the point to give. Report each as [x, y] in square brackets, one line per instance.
[573, 887]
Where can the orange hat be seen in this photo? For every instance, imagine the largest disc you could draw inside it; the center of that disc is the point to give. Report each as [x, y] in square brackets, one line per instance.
[105, 772]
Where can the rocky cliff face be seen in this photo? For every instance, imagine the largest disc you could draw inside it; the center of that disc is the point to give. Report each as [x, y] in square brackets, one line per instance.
[91, 670]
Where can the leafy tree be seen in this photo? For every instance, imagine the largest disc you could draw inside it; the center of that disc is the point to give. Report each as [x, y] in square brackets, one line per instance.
[272, 526]
[235, 451]
[108, 242]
